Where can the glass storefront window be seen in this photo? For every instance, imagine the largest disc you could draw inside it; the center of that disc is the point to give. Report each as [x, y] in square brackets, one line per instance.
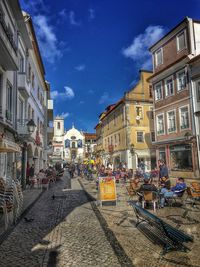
[181, 157]
[162, 154]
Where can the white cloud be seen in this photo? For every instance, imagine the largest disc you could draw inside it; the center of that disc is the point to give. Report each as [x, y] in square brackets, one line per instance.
[104, 98]
[91, 13]
[69, 92]
[47, 39]
[138, 50]
[72, 19]
[80, 67]
[54, 94]
[64, 115]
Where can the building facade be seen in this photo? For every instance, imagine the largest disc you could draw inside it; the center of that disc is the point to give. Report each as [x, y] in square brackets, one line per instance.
[23, 95]
[176, 141]
[126, 129]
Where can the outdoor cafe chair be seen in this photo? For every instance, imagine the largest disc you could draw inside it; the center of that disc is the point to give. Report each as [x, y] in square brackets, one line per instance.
[150, 197]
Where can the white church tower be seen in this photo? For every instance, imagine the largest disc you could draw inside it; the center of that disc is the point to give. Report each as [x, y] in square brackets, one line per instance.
[58, 144]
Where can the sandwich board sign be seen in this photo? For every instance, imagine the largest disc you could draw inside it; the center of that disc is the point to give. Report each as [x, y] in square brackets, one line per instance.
[107, 189]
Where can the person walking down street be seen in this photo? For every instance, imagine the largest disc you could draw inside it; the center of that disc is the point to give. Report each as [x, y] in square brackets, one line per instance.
[163, 170]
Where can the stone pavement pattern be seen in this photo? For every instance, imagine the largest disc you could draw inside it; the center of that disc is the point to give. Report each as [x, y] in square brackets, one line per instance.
[65, 232]
[121, 220]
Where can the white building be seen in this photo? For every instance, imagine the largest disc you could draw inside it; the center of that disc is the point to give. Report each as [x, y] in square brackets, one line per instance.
[74, 141]
[68, 145]
[23, 94]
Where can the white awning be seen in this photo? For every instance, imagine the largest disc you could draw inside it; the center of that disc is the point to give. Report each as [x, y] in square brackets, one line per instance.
[9, 146]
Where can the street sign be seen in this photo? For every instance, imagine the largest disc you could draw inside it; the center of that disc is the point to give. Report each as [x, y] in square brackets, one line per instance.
[107, 189]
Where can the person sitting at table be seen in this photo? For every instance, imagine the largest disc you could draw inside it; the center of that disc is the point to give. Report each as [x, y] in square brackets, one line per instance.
[174, 191]
[146, 186]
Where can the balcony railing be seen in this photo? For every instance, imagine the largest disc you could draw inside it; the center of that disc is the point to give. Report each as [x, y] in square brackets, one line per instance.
[8, 33]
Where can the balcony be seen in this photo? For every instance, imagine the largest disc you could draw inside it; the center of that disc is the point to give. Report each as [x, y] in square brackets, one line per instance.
[22, 126]
[8, 48]
[22, 85]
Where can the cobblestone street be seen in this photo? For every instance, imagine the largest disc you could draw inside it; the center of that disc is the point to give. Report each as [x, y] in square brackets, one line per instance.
[64, 232]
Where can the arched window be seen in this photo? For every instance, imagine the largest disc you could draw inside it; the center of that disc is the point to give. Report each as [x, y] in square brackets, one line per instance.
[73, 145]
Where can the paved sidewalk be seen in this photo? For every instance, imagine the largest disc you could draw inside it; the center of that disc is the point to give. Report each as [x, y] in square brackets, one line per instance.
[29, 198]
[121, 220]
[63, 231]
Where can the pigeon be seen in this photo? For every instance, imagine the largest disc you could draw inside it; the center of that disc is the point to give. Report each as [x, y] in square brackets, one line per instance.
[28, 220]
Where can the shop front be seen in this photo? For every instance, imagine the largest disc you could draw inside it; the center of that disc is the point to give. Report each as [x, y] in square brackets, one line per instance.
[181, 159]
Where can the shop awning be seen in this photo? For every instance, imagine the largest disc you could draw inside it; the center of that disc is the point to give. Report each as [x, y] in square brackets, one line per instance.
[7, 146]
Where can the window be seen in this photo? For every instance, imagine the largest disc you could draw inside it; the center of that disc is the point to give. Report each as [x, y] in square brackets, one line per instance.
[38, 93]
[139, 112]
[181, 157]
[41, 127]
[160, 124]
[140, 137]
[115, 139]
[73, 145]
[184, 118]
[151, 113]
[9, 102]
[158, 57]
[58, 125]
[21, 63]
[33, 80]
[169, 87]
[153, 138]
[181, 80]
[171, 121]
[21, 110]
[119, 138]
[111, 140]
[150, 91]
[198, 91]
[158, 91]
[38, 124]
[181, 41]
[162, 154]
[33, 114]
[29, 74]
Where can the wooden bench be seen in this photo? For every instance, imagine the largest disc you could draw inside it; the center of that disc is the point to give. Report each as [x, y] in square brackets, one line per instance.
[159, 231]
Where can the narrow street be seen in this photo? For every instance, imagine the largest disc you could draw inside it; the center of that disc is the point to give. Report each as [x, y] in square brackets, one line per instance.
[60, 231]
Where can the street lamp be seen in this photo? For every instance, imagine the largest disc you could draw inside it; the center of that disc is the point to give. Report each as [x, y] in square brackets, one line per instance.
[31, 126]
[132, 149]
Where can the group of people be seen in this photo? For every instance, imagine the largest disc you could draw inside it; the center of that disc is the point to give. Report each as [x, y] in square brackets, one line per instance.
[164, 188]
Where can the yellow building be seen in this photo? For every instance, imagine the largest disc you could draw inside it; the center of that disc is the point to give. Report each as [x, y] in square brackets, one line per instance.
[127, 127]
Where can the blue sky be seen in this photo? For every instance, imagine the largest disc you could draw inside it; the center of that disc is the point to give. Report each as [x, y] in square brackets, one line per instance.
[93, 49]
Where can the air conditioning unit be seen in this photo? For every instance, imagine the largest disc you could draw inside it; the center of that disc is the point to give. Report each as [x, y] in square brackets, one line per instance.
[137, 118]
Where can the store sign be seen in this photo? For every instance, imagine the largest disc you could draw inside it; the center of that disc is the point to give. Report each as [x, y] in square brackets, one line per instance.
[107, 189]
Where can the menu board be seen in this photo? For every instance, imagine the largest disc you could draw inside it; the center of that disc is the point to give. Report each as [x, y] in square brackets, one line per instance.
[107, 189]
